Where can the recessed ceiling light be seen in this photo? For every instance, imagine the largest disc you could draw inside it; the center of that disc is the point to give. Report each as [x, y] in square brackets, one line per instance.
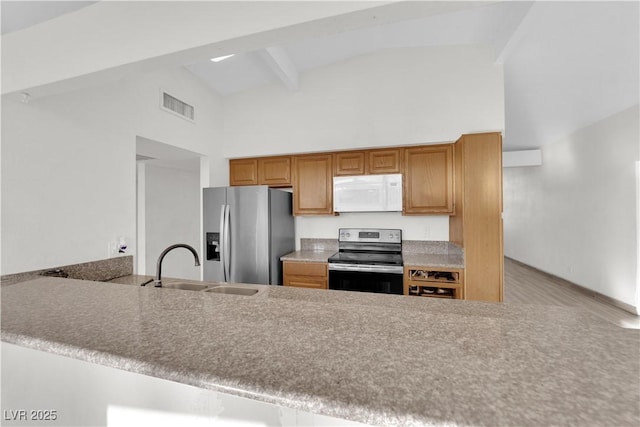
[221, 58]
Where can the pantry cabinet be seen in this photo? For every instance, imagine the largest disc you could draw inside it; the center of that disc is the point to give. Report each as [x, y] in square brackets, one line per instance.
[313, 184]
[477, 223]
[428, 180]
[305, 274]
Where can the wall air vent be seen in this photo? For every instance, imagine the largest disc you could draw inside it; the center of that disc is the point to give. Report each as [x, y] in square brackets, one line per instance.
[175, 106]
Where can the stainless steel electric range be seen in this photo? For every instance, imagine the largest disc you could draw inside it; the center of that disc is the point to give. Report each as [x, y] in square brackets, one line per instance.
[368, 260]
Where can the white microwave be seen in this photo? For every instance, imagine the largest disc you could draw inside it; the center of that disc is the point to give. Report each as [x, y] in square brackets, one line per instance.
[367, 193]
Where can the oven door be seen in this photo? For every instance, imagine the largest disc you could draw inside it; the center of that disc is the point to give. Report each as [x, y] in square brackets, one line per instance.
[366, 278]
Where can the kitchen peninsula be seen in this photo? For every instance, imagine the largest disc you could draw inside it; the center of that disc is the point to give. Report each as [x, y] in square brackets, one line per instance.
[370, 358]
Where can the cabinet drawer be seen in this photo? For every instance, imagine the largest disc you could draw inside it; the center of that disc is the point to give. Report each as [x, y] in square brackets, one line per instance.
[315, 269]
[306, 282]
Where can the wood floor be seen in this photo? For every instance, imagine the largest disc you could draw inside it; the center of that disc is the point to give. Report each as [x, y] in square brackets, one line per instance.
[526, 285]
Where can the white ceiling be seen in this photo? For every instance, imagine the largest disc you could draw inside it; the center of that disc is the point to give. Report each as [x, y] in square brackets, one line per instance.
[17, 15]
[567, 64]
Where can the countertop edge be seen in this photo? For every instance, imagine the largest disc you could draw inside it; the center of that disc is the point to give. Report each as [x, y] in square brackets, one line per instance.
[293, 401]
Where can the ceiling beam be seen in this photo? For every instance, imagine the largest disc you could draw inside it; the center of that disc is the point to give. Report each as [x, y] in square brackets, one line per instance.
[280, 63]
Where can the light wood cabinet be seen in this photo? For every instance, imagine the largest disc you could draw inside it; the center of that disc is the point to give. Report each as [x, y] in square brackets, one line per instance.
[350, 163]
[306, 274]
[384, 161]
[428, 180]
[271, 171]
[313, 184]
[477, 223]
[434, 282]
[243, 172]
[367, 162]
[274, 171]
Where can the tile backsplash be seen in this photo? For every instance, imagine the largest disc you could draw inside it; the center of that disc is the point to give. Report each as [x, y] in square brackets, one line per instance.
[318, 244]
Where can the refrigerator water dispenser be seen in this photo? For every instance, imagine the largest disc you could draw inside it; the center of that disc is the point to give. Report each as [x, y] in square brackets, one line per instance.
[213, 247]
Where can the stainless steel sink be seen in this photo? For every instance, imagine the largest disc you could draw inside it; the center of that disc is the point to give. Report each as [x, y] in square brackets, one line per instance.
[232, 290]
[185, 286]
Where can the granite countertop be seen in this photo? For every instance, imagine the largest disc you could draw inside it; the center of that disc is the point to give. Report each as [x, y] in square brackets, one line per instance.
[443, 254]
[373, 358]
[433, 260]
[308, 256]
[415, 253]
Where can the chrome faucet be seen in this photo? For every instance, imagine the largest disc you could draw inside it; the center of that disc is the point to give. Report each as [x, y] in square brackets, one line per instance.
[158, 279]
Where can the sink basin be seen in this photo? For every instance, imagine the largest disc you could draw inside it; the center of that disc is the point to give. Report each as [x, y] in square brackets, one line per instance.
[185, 286]
[232, 290]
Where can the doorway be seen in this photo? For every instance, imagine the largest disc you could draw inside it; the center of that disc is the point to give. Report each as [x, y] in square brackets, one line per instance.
[168, 207]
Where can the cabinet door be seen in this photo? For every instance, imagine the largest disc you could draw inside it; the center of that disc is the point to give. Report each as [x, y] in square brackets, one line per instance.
[305, 274]
[243, 172]
[274, 171]
[313, 184]
[385, 161]
[350, 163]
[428, 180]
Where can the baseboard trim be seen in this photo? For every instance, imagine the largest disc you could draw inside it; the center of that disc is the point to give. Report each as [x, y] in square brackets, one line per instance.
[586, 291]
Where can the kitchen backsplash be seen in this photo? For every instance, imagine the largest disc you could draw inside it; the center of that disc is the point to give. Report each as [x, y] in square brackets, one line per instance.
[100, 271]
[408, 246]
[318, 244]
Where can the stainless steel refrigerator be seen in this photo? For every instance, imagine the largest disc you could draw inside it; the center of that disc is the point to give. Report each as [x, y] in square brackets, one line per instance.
[246, 231]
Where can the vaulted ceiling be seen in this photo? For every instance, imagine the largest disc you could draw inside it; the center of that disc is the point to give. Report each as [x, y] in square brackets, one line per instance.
[566, 64]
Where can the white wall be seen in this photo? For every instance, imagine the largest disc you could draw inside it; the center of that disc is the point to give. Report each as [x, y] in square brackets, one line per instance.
[433, 227]
[68, 164]
[394, 97]
[172, 215]
[575, 216]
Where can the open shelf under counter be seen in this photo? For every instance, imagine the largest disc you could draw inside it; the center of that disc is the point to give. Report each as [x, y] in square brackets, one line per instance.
[434, 282]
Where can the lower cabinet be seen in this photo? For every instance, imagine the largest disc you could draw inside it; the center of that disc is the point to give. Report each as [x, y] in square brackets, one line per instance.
[434, 282]
[306, 274]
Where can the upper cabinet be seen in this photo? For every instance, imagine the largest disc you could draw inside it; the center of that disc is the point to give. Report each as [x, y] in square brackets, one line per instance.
[313, 184]
[365, 162]
[428, 180]
[243, 172]
[427, 176]
[350, 163]
[274, 171]
[271, 171]
[384, 161]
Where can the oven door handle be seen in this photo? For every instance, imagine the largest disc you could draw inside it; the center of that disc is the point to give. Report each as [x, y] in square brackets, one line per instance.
[392, 269]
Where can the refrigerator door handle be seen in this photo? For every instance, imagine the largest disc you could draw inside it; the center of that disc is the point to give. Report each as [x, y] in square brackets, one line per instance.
[223, 255]
[227, 245]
